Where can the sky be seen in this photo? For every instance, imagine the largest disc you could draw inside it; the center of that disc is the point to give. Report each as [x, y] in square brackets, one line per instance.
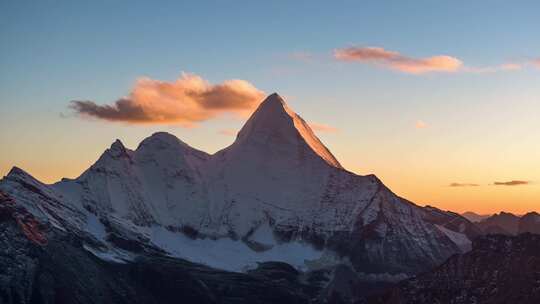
[439, 99]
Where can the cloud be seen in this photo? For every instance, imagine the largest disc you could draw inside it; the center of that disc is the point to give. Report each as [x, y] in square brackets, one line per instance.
[508, 183]
[512, 183]
[323, 128]
[463, 185]
[186, 101]
[510, 66]
[494, 69]
[397, 61]
[420, 125]
[228, 132]
[536, 62]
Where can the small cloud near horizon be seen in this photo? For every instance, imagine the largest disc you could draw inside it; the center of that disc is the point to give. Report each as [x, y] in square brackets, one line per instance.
[463, 185]
[494, 69]
[323, 128]
[420, 125]
[396, 61]
[512, 183]
[186, 101]
[410, 65]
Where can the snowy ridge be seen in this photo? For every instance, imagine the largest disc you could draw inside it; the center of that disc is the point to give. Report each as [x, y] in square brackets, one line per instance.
[277, 193]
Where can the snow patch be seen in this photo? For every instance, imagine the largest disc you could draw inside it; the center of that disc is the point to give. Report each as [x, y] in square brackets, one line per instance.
[460, 239]
[95, 227]
[231, 255]
[264, 235]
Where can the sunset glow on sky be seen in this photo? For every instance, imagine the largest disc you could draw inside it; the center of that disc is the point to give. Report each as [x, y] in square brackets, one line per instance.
[440, 101]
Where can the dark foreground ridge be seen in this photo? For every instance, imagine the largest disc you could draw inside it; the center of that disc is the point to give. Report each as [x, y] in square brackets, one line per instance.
[499, 269]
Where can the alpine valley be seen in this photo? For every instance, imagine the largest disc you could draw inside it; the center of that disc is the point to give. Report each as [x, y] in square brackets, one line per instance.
[273, 218]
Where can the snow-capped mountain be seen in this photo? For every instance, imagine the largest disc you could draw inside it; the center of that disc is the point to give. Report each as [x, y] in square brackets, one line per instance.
[276, 194]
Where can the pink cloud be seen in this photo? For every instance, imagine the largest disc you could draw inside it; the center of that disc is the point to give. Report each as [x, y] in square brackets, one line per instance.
[186, 101]
[511, 66]
[420, 125]
[536, 62]
[365, 54]
[397, 61]
[323, 128]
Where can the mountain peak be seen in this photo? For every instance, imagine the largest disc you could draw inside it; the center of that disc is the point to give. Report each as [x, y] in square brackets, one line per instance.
[16, 171]
[165, 136]
[166, 146]
[273, 107]
[117, 149]
[274, 99]
[162, 140]
[531, 214]
[117, 145]
[274, 124]
[506, 214]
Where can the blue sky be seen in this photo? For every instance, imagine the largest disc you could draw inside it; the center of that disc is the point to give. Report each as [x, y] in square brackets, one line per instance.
[479, 125]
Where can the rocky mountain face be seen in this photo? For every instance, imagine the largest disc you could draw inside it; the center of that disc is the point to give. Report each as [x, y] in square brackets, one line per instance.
[277, 194]
[499, 269]
[41, 264]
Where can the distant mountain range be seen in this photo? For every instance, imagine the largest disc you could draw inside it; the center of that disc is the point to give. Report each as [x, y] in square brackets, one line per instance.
[474, 217]
[506, 223]
[273, 218]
